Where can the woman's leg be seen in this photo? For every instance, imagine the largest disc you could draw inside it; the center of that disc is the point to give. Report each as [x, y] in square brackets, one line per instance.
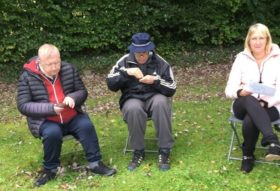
[250, 134]
[261, 117]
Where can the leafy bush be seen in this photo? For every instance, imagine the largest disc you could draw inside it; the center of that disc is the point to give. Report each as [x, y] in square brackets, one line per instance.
[88, 27]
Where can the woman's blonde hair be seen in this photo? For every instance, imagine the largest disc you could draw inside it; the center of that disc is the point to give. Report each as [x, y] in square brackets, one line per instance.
[261, 29]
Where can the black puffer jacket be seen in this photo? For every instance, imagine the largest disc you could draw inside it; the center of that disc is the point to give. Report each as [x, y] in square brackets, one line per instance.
[32, 96]
[118, 79]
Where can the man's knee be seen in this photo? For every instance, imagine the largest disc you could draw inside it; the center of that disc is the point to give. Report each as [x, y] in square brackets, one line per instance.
[87, 127]
[160, 101]
[132, 107]
[52, 134]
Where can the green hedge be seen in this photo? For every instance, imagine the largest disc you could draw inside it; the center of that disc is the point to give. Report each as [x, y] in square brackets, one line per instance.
[105, 26]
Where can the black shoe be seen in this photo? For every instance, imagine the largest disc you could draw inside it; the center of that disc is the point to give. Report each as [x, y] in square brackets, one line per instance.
[137, 158]
[163, 160]
[44, 177]
[273, 152]
[247, 164]
[103, 170]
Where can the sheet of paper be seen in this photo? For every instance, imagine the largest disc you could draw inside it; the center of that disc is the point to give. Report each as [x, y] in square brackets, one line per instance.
[260, 89]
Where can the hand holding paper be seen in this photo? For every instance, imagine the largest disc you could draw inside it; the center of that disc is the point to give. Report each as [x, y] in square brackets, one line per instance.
[258, 88]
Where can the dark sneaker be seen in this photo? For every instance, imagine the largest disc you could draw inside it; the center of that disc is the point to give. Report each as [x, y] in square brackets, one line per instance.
[247, 164]
[163, 159]
[273, 152]
[44, 177]
[103, 170]
[137, 158]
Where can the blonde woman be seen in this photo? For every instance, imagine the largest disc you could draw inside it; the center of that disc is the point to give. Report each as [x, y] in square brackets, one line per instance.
[259, 63]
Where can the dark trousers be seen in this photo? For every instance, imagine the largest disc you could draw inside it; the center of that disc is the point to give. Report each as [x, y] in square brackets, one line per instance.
[80, 127]
[136, 112]
[256, 119]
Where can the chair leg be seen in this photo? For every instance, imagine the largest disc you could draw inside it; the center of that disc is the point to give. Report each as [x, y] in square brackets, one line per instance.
[127, 147]
[234, 128]
[230, 146]
[233, 136]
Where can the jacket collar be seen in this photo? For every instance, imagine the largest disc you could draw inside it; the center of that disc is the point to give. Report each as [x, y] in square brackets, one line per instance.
[275, 51]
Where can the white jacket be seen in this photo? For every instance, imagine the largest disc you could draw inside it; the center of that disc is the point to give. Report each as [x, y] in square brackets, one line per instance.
[245, 69]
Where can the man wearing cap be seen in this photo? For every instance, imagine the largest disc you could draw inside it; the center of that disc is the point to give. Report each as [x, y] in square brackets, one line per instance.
[146, 82]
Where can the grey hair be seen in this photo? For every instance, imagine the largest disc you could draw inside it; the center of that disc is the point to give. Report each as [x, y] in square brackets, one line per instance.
[47, 50]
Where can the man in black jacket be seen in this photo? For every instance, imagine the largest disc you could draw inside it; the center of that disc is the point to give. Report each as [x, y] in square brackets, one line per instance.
[50, 93]
[146, 81]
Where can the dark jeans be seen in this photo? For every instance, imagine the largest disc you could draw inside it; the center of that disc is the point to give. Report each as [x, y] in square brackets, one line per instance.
[256, 119]
[80, 127]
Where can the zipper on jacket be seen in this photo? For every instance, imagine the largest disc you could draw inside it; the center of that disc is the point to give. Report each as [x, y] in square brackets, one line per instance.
[261, 72]
[54, 91]
[56, 99]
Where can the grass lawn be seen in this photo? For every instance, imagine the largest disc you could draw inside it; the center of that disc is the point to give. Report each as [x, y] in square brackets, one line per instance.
[198, 159]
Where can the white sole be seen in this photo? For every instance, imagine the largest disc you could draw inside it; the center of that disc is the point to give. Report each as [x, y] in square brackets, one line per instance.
[272, 157]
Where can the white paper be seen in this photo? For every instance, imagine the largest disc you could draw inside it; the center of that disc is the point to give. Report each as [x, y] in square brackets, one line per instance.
[258, 88]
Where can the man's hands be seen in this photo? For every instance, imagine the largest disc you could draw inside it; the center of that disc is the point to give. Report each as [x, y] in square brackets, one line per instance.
[58, 108]
[137, 73]
[148, 79]
[68, 101]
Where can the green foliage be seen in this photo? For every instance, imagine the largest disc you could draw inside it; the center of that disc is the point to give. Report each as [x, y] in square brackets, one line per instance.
[88, 27]
[268, 13]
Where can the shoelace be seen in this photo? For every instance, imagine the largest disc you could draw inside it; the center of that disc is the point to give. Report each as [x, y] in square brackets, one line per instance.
[137, 158]
[163, 159]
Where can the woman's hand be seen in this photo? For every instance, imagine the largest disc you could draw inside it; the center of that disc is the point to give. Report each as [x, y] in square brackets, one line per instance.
[244, 93]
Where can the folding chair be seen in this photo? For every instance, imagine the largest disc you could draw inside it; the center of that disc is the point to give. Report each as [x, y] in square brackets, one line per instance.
[234, 123]
[67, 138]
[127, 146]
